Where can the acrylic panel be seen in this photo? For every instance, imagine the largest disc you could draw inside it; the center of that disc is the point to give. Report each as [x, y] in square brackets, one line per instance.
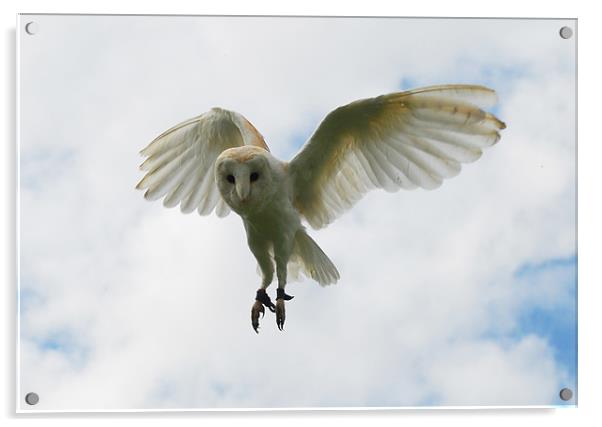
[460, 292]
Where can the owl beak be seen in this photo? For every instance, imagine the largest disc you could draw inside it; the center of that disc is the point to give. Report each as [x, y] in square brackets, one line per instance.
[243, 190]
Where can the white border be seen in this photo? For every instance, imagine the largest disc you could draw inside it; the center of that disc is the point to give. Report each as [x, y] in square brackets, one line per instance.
[18, 212]
[589, 203]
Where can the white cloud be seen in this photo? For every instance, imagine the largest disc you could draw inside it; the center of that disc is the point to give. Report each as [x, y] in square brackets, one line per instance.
[465, 372]
[156, 304]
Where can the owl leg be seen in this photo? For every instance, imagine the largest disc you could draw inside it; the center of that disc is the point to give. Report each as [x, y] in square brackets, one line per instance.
[280, 310]
[262, 298]
[281, 296]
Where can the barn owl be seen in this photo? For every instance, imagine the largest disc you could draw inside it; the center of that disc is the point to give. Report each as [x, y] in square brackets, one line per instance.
[405, 140]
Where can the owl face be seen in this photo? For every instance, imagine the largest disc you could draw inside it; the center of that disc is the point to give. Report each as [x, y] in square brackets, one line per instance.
[244, 180]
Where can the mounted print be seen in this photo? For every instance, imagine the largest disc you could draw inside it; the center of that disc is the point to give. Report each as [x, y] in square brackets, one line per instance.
[224, 212]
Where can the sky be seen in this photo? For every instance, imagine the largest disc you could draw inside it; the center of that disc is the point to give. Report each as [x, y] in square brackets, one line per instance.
[460, 296]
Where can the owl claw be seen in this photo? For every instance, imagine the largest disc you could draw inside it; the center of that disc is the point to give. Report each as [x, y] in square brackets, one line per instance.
[280, 313]
[264, 298]
[255, 311]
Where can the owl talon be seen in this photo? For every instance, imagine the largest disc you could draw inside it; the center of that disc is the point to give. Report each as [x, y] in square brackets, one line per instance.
[255, 311]
[264, 298]
[280, 313]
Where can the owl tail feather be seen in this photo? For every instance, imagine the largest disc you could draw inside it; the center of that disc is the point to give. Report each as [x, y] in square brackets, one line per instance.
[309, 259]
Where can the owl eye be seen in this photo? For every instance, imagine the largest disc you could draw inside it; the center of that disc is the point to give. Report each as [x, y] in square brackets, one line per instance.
[254, 177]
[230, 179]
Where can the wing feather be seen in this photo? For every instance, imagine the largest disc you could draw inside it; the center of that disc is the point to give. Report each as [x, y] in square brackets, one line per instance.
[210, 200]
[403, 140]
[183, 189]
[202, 185]
[222, 209]
[366, 169]
[173, 174]
[180, 161]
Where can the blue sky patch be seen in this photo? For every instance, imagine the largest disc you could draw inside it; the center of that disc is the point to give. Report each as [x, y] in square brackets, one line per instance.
[556, 322]
[64, 342]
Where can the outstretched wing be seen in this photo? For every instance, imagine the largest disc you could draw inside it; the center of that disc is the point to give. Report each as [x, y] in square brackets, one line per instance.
[401, 140]
[180, 161]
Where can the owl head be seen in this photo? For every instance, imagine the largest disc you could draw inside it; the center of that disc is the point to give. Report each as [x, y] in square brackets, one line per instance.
[244, 177]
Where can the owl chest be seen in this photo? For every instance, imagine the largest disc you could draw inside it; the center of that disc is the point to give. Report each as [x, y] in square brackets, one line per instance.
[277, 221]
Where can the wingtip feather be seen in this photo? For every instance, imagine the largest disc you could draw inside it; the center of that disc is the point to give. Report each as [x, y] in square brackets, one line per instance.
[140, 185]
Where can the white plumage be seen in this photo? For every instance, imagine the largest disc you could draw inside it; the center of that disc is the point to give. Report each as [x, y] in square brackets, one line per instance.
[219, 161]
